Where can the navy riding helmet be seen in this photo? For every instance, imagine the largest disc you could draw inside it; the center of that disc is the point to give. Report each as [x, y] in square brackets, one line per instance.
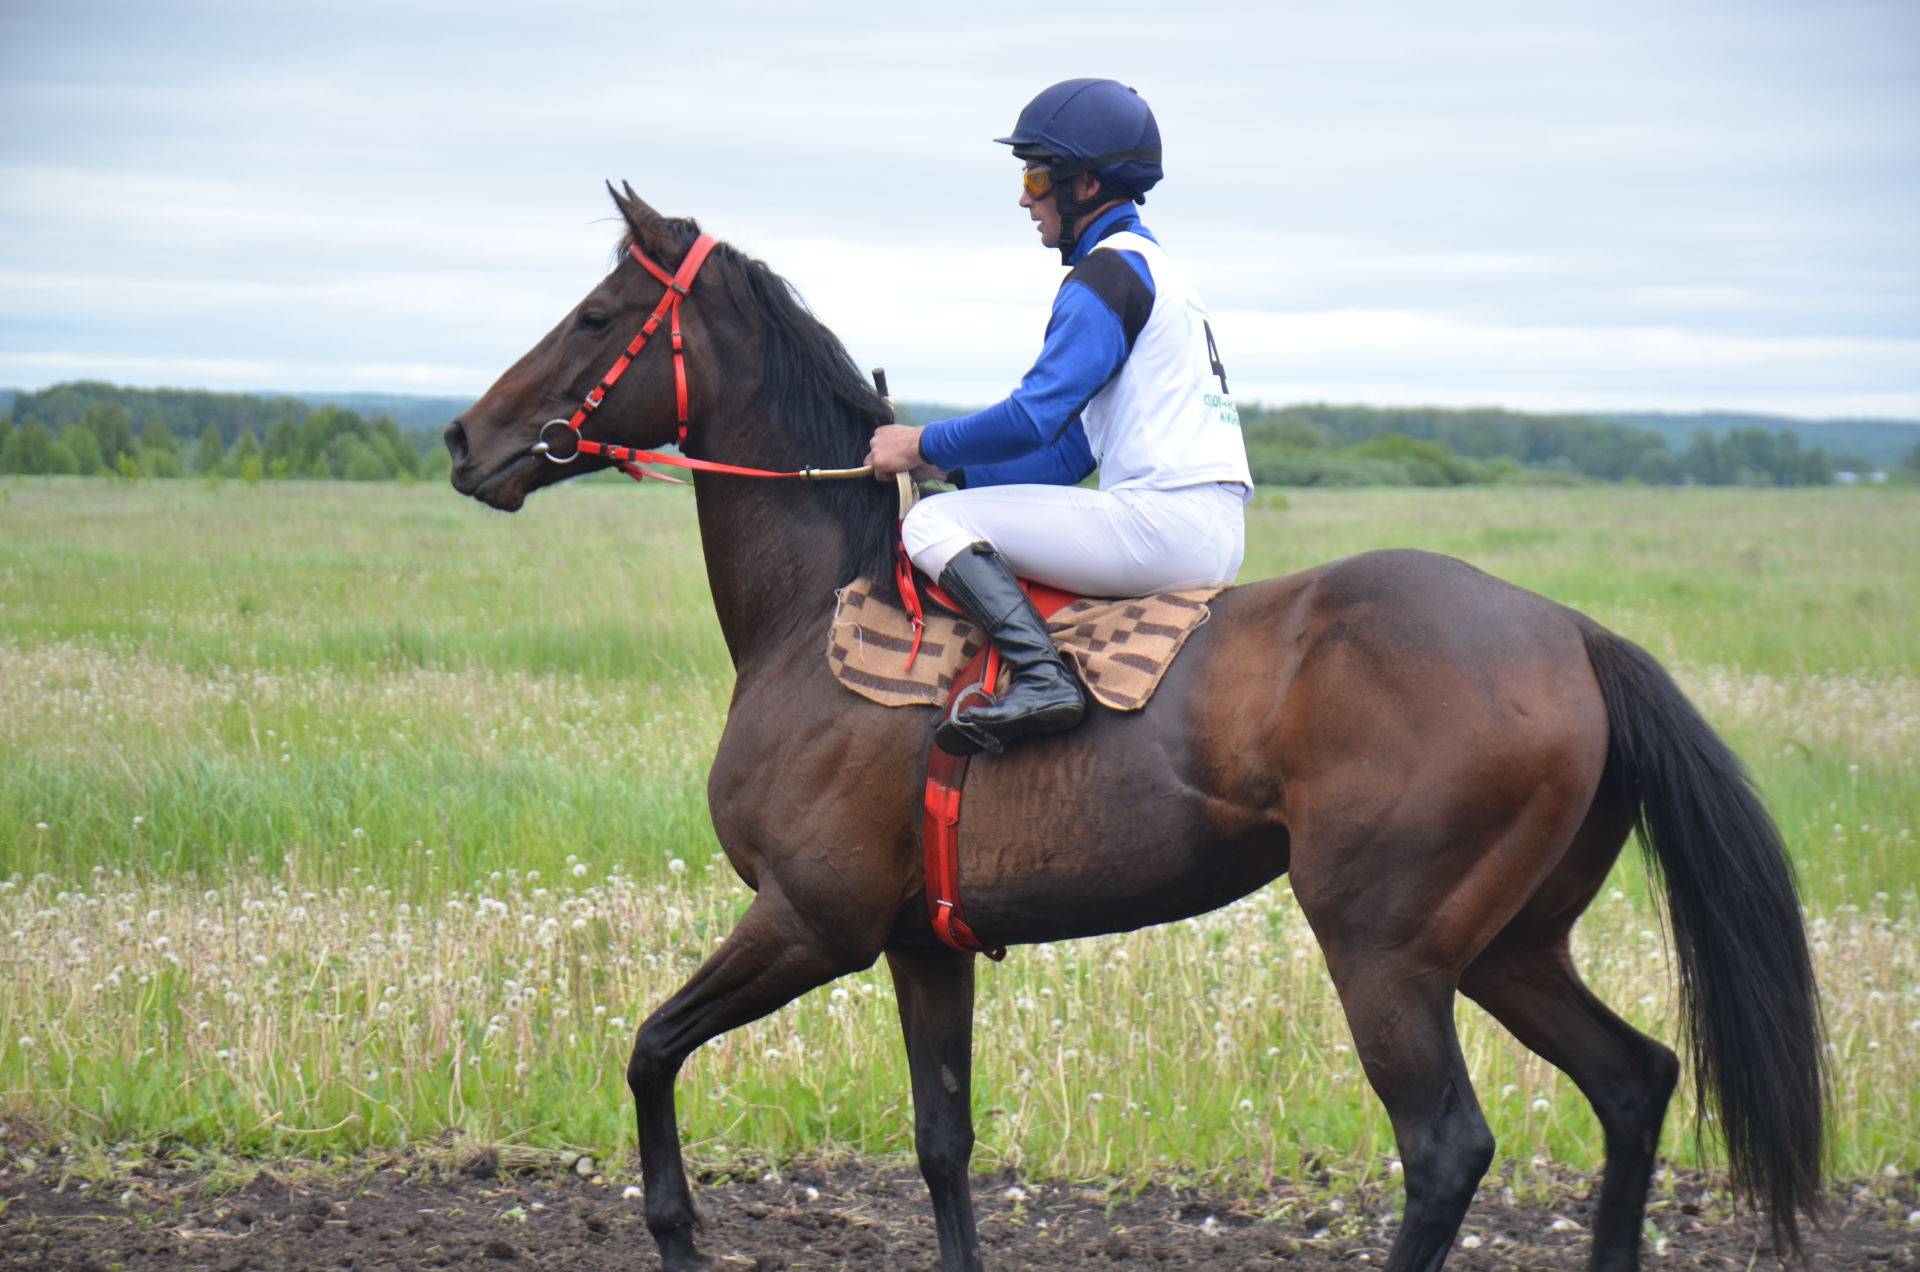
[1097, 126]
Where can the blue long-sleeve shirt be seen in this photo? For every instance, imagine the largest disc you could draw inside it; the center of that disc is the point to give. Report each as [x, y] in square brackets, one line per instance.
[1034, 434]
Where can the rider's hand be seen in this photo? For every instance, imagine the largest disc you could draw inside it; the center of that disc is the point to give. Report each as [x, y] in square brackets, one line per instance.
[895, 448]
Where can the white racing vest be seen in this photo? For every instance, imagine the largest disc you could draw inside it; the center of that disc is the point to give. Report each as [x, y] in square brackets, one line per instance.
[1166, 420]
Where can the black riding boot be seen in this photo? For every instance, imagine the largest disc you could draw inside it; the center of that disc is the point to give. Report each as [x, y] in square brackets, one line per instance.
[1042, 695]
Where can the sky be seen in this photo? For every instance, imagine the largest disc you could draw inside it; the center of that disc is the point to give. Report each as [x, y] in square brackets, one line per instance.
[1579, 205]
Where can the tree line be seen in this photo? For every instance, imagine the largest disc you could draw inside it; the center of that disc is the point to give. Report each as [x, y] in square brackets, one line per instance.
[1320, 445]
[89, 428]
[92, 429]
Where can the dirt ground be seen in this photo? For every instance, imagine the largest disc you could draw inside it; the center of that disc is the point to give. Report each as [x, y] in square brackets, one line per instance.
[406, 1216]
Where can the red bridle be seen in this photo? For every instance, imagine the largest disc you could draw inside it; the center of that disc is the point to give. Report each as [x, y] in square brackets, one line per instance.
[941, 823]
[626, 458]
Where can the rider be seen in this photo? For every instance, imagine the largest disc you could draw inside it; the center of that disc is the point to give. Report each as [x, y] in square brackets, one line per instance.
[1128, 379]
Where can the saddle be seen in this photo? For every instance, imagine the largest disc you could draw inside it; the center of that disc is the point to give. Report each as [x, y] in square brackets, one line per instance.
[1121, 648]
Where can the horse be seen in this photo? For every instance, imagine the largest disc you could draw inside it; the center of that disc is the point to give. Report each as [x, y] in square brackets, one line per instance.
[1446, 764]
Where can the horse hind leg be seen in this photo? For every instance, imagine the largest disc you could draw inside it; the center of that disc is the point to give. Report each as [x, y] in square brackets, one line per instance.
[1401, 907]
[1401, 1016]
[1526, 979]
[1396, 984]
[770, 959]
[1530, 986]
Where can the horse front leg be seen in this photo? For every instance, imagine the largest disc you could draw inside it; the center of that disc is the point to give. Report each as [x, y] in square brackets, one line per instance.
[935, 990]
[769, 960]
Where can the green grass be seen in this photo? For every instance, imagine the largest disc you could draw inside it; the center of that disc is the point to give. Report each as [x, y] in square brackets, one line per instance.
[336, 816]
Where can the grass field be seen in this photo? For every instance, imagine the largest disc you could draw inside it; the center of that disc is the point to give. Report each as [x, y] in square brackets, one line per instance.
[338, 816]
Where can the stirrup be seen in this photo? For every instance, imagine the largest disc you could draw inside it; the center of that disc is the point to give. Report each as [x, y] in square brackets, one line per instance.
[963, 737]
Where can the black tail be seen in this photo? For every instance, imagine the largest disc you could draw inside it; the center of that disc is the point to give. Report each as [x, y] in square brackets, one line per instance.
[1748, 1001]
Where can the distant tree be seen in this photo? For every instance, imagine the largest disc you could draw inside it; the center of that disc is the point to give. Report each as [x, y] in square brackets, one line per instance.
[155, 437]
[244, 461]
[399, 458]
[1426, 463]
[1286, 428]
[361, 462]
[283, 439]
[162, 463]
[1658, 468]
[1702, 460]
[212, 450]
[112, 428]
[159, 455]
[1908, 469]
[88, 461]
[26, 449]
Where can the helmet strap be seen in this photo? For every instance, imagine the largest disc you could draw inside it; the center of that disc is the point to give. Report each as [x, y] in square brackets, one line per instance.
[1071, 210]
[1066, 175]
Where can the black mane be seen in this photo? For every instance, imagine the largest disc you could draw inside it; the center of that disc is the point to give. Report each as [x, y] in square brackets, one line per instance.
[820, 402]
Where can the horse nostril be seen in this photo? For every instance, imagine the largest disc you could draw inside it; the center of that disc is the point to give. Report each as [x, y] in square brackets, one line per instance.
[456, 439]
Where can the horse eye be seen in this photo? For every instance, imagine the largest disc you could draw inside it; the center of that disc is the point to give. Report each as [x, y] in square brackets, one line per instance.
[594, 320]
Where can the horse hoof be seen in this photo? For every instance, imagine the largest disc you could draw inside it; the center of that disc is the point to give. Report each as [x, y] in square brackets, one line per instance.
[678, 1254]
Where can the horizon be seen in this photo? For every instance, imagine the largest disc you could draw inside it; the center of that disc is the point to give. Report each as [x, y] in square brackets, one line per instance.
[1256, 404]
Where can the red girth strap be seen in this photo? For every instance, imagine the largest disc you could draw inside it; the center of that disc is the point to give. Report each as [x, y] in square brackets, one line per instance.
[947, 774]
[678, 284]
[940, 825]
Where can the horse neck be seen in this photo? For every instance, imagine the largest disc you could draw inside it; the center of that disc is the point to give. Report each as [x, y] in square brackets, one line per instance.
[774, 558]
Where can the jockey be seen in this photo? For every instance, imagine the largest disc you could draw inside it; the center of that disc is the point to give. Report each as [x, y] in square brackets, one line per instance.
[1128, 380]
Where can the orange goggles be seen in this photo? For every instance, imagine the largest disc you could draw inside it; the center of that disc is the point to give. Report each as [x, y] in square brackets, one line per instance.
[1038, 182]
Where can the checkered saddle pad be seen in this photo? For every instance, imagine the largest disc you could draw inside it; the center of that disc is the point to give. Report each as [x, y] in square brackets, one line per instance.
[1122, 647]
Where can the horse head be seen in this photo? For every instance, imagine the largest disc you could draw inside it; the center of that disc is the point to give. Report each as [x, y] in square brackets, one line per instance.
[755, 380]
[493, 442]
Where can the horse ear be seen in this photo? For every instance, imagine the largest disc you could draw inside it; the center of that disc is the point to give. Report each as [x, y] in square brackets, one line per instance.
[649, 228]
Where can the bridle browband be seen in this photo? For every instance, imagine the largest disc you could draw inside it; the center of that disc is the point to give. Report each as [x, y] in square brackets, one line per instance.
[627, 459]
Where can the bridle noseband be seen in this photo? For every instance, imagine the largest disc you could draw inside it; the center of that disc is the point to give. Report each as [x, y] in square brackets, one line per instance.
[626, 458]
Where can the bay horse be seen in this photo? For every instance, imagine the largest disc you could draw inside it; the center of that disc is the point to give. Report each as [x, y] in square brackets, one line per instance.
[1447, 765]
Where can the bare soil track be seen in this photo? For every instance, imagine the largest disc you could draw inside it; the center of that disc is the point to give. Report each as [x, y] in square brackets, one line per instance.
[853, 1215]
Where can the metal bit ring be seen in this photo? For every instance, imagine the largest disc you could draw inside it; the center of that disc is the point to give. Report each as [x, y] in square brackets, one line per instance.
[543, 447]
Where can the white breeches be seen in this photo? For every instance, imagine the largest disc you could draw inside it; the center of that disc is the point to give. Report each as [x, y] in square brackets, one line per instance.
[1093, 542]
